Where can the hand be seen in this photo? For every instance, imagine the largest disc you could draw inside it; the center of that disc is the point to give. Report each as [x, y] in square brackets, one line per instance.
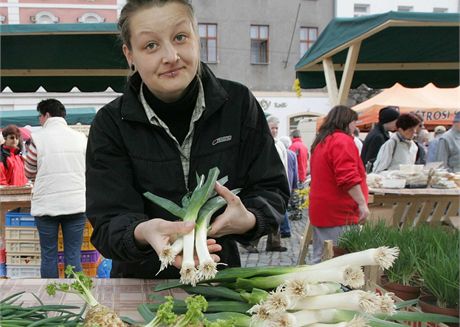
[363, 213]
[159, 232]
[236, 219]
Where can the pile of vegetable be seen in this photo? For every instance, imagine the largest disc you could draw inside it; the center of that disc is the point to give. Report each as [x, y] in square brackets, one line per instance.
[198, 207]
[300, 296]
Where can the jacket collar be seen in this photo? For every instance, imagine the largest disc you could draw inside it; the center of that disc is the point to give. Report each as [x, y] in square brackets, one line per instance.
[131, 107]
[54, 121]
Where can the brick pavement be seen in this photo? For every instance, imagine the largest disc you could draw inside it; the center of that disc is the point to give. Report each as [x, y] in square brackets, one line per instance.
[288, 258]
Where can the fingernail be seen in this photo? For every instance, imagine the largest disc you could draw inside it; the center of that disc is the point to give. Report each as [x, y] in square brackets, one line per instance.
[189, 224]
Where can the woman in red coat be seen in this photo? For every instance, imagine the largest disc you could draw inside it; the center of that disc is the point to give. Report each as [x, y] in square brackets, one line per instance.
[338, 189]
[12, 162]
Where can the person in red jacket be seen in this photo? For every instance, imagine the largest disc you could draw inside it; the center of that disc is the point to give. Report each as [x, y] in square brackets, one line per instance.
[12, 162]
[338, 189]
[301, 151]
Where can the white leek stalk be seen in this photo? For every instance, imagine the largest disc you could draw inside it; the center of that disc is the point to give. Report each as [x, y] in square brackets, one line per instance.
[350, 276]
[207, 268]
[382, 256]
[357, 321]
[367, 302]
[307, 317]
[301, 288]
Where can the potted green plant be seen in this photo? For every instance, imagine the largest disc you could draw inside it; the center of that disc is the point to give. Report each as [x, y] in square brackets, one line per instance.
[362, 237]
[439, 270]
[403, 278]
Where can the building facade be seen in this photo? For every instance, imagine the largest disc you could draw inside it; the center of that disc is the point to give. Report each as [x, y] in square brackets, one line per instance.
[355, 8]
[255, 42]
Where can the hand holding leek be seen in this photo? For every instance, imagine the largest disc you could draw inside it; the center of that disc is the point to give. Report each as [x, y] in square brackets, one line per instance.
[197, 207]
[236, 219]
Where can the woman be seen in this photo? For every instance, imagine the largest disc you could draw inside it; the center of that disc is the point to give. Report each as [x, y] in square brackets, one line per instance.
[400, 148]
[176, 119]
[338, 189]
[12, 162]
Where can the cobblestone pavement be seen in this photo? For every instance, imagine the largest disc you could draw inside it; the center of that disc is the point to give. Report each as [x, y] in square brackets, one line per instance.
[288, 258]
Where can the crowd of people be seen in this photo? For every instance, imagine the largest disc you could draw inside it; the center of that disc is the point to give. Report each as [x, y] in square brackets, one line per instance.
[176, 119]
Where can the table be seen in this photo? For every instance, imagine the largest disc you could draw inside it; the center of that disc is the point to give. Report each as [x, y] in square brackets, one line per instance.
[121, 294]
[412, 206]
[12, 201]
[403, 207]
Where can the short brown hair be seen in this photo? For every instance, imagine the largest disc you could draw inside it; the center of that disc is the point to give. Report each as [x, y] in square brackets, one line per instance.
[406, 121]
[11, 130]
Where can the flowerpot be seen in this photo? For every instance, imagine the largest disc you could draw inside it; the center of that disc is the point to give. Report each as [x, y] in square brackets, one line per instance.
[338, 251]
[428, 304]
[404, 292]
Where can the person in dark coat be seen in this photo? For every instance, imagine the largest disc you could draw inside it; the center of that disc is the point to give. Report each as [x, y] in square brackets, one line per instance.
[379, 135]
[174, 120]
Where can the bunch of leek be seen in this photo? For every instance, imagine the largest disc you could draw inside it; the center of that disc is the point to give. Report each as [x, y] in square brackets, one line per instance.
[198, 207]
[98, 314]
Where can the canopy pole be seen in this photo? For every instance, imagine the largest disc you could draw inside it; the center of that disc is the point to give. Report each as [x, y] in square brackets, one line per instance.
[348, 72]
[331, 82]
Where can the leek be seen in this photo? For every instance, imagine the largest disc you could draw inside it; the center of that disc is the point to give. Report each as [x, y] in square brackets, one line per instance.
[350, 276]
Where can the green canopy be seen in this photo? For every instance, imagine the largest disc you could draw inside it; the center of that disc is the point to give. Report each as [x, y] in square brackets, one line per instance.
[59, 57]
[21, 118]
[410, 48]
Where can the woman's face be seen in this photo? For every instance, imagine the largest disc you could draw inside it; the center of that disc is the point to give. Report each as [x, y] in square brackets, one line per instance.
[12, 141]
[165, 49]
[409, 133]
[351, 127]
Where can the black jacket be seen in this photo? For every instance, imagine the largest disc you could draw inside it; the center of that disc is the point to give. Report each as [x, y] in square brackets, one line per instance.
[373, 142]
[128, 156]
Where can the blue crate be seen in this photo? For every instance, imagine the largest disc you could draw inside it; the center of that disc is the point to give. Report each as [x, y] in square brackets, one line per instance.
[19, 219]
[2, 270]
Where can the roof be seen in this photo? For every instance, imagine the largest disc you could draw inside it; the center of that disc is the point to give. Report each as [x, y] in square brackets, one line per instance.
[406, 47]
[437, 105]
[59, 57]
[83, 116]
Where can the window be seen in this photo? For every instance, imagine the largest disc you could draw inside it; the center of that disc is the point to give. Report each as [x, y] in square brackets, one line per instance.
[208, 42]
[259, 44]
[308, 36]
[361, 9]
[405, 8]
[90, 18]
[44, 17]
[440, 10]
[2, 19]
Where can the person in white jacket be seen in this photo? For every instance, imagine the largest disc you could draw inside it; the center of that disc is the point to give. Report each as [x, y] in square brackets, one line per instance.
[400, 148]
[56, 163]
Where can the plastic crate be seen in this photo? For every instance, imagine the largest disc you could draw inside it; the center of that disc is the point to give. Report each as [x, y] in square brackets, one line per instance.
[85, 246]
[23, 259]
[2, 270]
[19, 219]
[90, 269]
[23, 247]
[23, 271]
[86, 256]
[21, 233]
